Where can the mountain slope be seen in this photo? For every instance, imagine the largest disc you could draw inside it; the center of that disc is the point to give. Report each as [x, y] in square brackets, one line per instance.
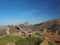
[51, 25]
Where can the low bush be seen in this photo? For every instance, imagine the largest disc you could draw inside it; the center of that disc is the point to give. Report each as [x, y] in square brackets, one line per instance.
[29, 41]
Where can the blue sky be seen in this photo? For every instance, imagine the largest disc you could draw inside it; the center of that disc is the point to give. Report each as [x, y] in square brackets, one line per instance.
[34, 11]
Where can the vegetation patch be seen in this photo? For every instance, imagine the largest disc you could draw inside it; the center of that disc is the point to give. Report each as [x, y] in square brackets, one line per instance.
[21, 41]
[50, 43]
[29, 41]
[8, 38]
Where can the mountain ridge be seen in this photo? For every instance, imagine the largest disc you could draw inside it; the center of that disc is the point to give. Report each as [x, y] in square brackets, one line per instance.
[51, 25]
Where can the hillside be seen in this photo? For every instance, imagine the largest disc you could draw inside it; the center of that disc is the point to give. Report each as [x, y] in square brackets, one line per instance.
[48, 31]
[51, 25]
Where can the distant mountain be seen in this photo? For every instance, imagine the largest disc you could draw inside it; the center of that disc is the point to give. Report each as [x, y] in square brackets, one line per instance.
[51, 25]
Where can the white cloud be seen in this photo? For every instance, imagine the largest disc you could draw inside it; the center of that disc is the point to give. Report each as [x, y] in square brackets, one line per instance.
[29, 12]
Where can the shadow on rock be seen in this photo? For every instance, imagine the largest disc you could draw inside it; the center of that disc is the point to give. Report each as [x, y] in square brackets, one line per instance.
[38, 42]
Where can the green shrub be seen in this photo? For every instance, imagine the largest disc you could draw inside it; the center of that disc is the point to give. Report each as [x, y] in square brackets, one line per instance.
[50, 43]
[59, 33]
[21, 41]
[8, 38]
[28, 41]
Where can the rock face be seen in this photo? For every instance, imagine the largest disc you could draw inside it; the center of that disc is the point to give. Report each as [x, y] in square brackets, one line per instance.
[44, 43]
[7, 30]
[2, 32]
